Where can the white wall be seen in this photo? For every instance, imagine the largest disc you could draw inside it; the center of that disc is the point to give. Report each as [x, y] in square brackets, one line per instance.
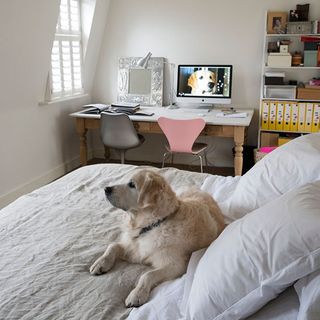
[188, 31]
[37, 143]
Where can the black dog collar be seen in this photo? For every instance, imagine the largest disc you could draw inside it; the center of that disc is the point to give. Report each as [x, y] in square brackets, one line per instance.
[151, 226]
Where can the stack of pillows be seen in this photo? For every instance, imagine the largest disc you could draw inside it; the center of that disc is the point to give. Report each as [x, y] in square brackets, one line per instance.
[273, 241]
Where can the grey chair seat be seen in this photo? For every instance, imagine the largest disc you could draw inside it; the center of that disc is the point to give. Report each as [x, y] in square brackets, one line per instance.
[117, 132]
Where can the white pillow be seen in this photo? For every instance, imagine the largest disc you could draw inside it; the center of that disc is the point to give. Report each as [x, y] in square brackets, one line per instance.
[258, 256]
[308, 290]
[289, 166]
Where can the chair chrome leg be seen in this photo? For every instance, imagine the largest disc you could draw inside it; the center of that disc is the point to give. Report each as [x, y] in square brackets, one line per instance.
[172, 154]
[201, 168]
[164, 157]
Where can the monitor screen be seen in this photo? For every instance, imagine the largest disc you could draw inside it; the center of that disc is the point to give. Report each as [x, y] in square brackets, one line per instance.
[204, 81]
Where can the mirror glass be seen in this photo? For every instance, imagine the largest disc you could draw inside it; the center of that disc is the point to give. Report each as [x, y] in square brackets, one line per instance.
[139, 81]
[139, 85]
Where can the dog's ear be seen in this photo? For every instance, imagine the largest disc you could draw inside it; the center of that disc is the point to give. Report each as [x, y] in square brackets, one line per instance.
[192, 81]
[213, 77]
[149, 190]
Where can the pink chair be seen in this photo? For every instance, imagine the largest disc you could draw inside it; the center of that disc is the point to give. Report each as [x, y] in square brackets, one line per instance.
[181, 136]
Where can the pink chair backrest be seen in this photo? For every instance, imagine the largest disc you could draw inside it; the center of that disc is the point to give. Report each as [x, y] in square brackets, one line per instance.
[181, 134]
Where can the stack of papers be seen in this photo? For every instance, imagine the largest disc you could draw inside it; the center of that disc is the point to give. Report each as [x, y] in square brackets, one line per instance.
[121, 107]
[129, 105]
[125, 107]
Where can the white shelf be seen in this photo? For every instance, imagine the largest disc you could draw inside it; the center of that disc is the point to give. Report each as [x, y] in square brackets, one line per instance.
[284, 131]
[292, 35]
[292, 67]
[283, 99]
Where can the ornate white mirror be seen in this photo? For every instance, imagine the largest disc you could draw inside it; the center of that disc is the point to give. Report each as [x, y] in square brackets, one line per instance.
[140, 85]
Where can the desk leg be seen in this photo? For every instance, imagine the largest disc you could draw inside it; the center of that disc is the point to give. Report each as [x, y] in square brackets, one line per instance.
[82, 132]
[238, 158]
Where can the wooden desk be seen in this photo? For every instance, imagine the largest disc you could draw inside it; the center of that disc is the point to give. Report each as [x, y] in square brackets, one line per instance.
[218, 127]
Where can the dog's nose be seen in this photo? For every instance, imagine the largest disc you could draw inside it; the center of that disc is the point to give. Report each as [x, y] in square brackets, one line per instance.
[211, 85]
[108, 190]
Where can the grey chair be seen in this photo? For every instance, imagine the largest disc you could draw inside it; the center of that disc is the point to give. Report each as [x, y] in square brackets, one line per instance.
[117, 132]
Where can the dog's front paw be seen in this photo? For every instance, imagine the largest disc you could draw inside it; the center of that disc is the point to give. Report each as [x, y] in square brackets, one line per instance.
[137, 297]
[100, 266]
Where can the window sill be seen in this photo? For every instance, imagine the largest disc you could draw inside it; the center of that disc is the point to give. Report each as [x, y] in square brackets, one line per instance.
[59, 100]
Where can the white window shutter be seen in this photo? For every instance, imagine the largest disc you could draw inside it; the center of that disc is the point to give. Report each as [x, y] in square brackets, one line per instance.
[66, 56]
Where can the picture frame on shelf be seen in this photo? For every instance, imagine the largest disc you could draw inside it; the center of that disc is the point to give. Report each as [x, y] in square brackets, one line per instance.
[276, 22]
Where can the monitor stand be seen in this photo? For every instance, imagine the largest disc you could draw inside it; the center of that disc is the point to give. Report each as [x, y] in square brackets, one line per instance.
[173, 106]
[207, 106]
[200, 106]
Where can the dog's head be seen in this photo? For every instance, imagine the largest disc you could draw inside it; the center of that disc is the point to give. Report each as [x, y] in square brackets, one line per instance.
[203, 81]
[146, 191]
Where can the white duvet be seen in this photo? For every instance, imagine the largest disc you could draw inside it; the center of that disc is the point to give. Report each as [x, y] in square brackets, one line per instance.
[50, 237]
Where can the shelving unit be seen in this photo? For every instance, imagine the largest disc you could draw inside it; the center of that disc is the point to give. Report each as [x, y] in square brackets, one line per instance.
[298, 73]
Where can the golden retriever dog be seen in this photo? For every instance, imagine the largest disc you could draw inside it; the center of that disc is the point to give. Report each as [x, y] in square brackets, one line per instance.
[162, 230]
[202, 82]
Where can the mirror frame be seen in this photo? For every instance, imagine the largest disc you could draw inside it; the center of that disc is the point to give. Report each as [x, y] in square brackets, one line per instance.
[156, 95]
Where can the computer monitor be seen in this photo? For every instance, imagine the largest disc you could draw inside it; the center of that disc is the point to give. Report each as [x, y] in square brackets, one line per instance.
[204, 84]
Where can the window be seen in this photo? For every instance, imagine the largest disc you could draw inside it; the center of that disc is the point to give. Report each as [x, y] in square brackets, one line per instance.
[66, 56]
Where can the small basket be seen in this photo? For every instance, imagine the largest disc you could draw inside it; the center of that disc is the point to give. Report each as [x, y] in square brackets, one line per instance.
[258, 155]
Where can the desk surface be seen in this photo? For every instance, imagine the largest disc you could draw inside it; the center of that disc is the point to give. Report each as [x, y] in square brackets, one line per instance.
[182, 113]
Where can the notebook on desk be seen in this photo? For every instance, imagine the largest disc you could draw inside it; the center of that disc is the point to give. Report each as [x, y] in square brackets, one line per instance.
[129, 112]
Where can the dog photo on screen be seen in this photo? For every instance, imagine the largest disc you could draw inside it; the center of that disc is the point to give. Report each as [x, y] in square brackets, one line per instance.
[203, 81]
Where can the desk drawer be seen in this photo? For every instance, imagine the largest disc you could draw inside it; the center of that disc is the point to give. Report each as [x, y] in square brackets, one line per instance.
[219, 131]
[147, 127]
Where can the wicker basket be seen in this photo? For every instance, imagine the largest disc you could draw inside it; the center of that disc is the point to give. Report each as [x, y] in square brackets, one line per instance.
[258, 155]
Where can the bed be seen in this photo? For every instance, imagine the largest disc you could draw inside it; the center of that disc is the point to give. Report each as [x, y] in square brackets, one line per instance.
[50, 237]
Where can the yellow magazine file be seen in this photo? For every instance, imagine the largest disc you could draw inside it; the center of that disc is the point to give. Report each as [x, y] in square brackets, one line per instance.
[316, 117]
[265, 115]
[272, 115]
[280, 114]
[287, 116]
[309, 114]
[294, 117]
[301, 116]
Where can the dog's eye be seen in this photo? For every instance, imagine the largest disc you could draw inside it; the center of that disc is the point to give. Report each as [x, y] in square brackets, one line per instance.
[210, 77]
[131, 184]
[201, 77]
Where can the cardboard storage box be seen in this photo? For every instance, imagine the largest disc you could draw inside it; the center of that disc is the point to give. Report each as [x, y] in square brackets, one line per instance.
[283, 140]
[308, 93]
[277, 59]
[269, 139]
